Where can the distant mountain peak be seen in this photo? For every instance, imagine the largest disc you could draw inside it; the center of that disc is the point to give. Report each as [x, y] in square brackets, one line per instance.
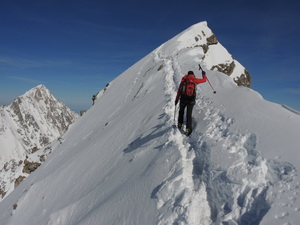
[38, 104]
[29, 123]
[39, 92]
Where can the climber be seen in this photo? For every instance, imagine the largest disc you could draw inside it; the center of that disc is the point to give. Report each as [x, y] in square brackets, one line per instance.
[94, 98]
[187, 95]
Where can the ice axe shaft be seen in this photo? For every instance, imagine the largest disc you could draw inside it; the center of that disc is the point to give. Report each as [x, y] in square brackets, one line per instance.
[200, 68]
[174, 114]
[211, 85]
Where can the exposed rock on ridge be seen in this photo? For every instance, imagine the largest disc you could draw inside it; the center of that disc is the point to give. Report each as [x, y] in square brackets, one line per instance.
[202, 37]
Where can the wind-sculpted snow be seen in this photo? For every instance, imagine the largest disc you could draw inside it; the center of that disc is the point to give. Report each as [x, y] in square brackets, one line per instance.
[125, 162]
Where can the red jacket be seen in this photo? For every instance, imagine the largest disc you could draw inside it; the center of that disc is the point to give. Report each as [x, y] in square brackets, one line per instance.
[191, 77]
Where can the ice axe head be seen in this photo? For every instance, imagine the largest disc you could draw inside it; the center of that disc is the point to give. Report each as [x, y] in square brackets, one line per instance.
[200, 67]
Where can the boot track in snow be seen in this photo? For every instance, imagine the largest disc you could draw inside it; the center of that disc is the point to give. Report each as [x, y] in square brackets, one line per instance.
[204, 189]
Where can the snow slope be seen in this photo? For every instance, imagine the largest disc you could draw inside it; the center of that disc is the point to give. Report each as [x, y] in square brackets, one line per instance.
[124, 161]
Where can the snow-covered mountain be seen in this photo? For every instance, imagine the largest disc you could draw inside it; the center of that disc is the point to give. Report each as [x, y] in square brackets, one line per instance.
[124, 161]
[27, 126]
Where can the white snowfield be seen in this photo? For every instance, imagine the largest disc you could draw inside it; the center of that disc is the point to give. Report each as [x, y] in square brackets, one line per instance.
[124, 161]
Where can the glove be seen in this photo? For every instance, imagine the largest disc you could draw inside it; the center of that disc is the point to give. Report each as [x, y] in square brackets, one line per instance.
[203, 72]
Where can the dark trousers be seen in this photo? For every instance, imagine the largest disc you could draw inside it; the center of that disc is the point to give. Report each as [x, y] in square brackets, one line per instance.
[189, 104]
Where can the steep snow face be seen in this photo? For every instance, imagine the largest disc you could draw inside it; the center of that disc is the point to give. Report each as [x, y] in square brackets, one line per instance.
[124, 161]
[30, 123]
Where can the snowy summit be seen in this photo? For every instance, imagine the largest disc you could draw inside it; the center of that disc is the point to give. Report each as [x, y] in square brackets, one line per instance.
[124, 161]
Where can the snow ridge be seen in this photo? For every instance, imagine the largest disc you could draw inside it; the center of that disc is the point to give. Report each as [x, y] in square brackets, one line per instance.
[202, 188]
[176, 196]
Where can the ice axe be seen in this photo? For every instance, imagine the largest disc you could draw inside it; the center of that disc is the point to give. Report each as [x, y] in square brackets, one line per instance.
[200, 68]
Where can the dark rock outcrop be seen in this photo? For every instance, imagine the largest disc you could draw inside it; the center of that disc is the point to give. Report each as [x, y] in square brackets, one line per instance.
[30, 167]
[244, 79]
[225, 68]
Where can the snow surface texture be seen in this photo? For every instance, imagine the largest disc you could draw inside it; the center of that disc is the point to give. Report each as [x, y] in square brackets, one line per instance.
[27, 128]
[124, 161]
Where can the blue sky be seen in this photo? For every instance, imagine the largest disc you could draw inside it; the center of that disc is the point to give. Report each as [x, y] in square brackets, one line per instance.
[76, 47]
